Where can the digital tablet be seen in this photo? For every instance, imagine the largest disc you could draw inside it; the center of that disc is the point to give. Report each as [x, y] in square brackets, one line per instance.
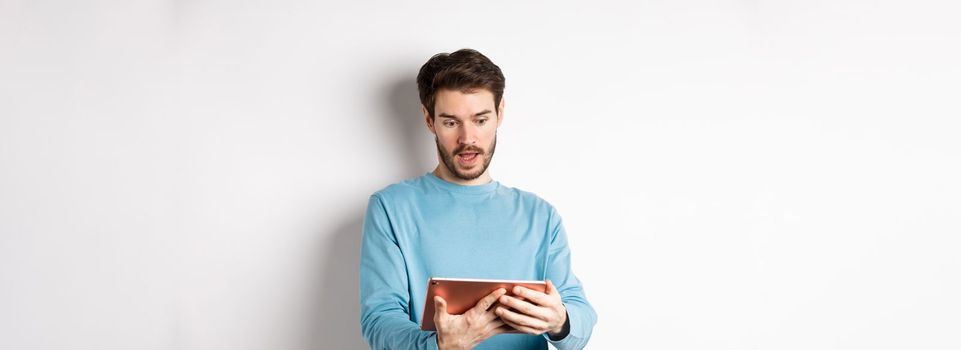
[462, 294]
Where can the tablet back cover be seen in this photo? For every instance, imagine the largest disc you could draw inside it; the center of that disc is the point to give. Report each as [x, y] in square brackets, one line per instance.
[463, 294]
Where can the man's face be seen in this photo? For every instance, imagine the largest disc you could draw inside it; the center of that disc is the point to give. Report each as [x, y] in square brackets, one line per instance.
[465, 126]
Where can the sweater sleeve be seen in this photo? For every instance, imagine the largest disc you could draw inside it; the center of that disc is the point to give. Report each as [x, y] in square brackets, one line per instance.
[384, 300]
[580, 314]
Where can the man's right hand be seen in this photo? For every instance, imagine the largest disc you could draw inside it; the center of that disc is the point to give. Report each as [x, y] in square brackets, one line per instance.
[467, 330]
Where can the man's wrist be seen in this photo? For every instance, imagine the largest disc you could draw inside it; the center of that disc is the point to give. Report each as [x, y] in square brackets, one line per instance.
[443, 344]
[564, 331]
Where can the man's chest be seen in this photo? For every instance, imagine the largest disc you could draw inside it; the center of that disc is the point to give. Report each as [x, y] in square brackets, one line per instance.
[480, 243]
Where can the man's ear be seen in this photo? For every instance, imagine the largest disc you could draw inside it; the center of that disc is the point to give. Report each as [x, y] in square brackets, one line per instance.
[428, 120]
[500, 113]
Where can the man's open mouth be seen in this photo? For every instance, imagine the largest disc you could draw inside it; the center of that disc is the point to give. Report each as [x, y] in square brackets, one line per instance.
[467, 158]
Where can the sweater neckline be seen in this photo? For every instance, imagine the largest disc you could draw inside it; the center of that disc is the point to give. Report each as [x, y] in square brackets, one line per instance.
[450, 186]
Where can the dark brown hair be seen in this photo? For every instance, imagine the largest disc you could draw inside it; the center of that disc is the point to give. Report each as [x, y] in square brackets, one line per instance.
[463, 70]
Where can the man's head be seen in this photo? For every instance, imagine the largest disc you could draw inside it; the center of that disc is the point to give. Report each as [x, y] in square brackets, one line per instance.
[461, 97]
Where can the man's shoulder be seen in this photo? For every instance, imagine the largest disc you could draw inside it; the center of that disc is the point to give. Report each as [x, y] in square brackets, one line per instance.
[406, 188]
[528, 198]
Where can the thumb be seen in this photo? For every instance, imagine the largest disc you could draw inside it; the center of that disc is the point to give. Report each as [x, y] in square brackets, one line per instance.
[551, 290]
[440, 306]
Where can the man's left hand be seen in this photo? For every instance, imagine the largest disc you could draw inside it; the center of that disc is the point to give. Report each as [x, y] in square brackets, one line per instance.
[536, 313]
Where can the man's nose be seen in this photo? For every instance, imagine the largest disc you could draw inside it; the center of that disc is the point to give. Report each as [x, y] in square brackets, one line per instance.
[468, 135]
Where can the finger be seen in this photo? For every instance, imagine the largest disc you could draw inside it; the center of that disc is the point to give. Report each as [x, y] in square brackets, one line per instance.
[488, 300]
[440, 307]
[536, 297]
[489, 315]
[516, 319]
[522, 328]
[525, 307]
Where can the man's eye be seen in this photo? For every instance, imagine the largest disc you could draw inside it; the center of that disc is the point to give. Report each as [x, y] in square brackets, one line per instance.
[450, 124]
[481, 121]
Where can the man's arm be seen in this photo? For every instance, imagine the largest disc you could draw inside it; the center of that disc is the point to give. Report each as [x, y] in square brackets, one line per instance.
[581, 317]
[385, 319]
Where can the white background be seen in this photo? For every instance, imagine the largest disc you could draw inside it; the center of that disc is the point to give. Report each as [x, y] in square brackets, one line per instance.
[732, 174]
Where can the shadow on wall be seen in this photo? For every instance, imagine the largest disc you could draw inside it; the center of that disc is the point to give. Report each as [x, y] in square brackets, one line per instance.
[406, 121]
[336, 323]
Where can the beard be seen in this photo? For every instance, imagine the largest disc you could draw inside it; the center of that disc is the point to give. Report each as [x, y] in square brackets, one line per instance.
[454, 168]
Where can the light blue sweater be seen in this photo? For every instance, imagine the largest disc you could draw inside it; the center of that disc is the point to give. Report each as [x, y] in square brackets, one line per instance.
[427, 227]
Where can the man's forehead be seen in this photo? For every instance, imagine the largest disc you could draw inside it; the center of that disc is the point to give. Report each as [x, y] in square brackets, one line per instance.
[462, 104]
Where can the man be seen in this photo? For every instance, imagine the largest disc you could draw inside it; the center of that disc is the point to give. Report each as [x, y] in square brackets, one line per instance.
[457, 222]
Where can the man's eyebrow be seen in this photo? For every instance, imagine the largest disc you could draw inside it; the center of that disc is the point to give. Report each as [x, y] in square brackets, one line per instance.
[478, 114]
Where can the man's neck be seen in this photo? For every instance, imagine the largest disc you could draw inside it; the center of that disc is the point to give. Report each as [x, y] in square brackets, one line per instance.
[442, 172]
